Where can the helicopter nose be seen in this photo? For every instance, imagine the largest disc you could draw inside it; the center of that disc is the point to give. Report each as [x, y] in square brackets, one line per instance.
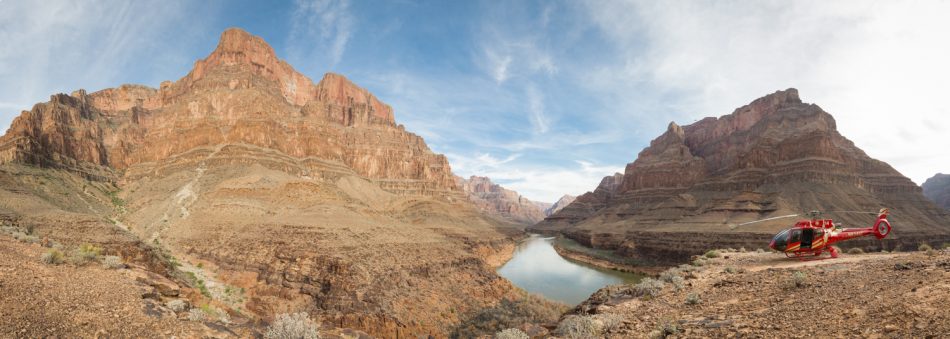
[772, 245]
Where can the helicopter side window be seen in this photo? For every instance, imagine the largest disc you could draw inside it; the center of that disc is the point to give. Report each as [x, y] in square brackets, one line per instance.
[795, 236]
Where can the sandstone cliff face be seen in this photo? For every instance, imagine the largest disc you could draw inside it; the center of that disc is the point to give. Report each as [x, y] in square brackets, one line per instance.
[241, 93]
[937, 189]
[307, 196]
[561, 203]
[500, 202]
[775, 156]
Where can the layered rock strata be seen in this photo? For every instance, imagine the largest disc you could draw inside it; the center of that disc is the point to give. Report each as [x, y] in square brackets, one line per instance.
[303, 196]
[775, 156]
[937, 189]
[500, 202]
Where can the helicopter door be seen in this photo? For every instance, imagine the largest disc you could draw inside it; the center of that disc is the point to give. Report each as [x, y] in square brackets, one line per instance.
[807, 235]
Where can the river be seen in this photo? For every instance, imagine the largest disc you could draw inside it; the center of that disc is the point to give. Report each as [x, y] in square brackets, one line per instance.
[537, 268]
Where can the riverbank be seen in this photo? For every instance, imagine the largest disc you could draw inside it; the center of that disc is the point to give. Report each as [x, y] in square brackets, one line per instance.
[572, 250]
[606, 264]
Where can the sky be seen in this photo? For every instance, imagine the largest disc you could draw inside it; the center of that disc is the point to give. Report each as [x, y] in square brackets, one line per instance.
[544, 97]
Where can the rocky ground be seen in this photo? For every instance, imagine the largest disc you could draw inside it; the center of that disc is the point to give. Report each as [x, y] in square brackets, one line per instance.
[765, 295]
[70, 301]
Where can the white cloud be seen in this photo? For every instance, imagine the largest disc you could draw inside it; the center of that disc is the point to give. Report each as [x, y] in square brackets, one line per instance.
[879, 67]
[536, 108]
[534, 181]
[59, 46]
[318, 25]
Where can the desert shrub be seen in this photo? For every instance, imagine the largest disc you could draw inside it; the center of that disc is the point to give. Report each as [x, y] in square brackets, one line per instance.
[699, 262]
[945, 245]
[113, 262]
[759, 250]
[292, 326]
[511, 333]
[53, 257]
[924, 248]
[730, 269]
[90, 251]
[609, 321]
[678, 282]
[693, 299]
[856, 250]
[743, 250]
[578, 327]
[197, 314]
[668, 275]
[664, 329]
[931, 252]
[712, 254]
[799, 279]
[508, 313]
[648, 287]
[177, 305]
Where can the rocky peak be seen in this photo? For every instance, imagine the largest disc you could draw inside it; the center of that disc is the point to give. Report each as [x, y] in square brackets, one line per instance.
[937, 189]
[495, 200]
[337, 89]
[560, 204]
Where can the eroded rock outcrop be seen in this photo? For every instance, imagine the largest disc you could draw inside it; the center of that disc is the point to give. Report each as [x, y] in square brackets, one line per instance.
[775, 156]
[499, 201]
[241, 93]
[937, 189]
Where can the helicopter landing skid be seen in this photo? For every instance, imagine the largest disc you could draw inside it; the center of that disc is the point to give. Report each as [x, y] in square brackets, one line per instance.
[813, 255]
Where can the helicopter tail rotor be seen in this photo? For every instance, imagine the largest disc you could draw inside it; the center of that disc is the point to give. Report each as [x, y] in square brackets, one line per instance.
[882, 227]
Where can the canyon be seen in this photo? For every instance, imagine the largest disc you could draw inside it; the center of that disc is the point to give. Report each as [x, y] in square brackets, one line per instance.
[499, 202]
[775, 156]
[249, 191]
[937, 189]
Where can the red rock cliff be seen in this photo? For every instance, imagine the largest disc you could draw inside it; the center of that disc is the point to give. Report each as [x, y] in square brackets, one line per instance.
[241, 93]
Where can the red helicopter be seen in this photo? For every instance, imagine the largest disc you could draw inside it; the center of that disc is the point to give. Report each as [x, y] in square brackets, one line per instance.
[815, 236]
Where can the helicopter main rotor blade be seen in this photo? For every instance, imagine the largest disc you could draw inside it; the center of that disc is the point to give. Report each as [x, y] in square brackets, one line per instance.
[857, 212]
[734, 226]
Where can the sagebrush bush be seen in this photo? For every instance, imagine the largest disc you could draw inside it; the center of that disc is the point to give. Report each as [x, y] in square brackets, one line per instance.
[90, 251]
[730, 269]
[799, 279]
[53, 257]
[292, 326]
[693, 299]
[196, 314]
[177, 305]
[667, 276]
[699, 262]
[759, 250]
[931, 252]
[609, 321]
[855, 250]
[712, 254]
[924, 248]
[112, 262]
[648, 287]
[511, 333]
[578, 327]
[678, 282]
[743, 250]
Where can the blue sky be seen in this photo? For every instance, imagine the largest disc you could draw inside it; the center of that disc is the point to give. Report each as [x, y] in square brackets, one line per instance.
[545, 97]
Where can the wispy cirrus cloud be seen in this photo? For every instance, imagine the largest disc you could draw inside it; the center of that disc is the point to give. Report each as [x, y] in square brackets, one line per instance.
[59, 46]
[865, 62]
[321, 25]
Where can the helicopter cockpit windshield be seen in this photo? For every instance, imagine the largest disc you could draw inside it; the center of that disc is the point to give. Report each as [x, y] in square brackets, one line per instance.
[780, 241]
